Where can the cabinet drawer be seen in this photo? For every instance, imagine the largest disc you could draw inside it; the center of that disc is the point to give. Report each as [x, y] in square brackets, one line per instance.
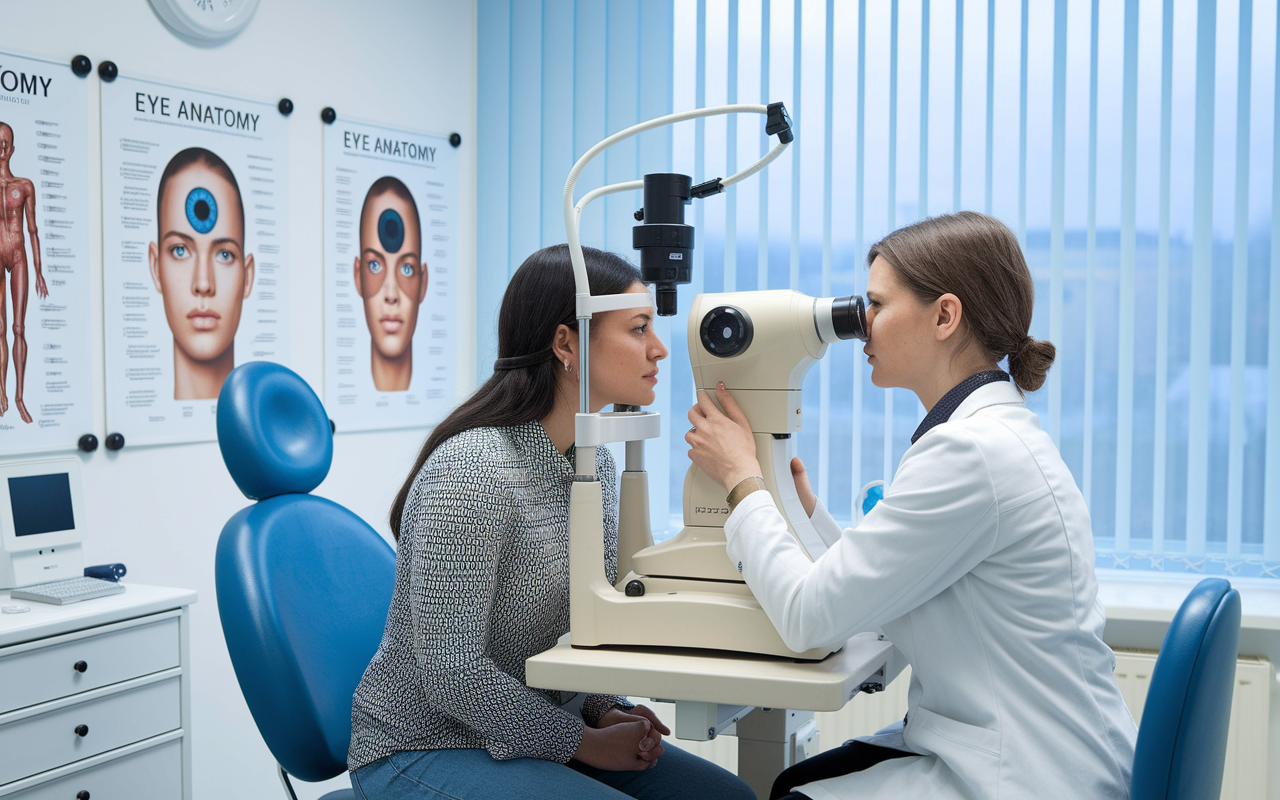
[154, 774]
[37, 676]
[44, 741]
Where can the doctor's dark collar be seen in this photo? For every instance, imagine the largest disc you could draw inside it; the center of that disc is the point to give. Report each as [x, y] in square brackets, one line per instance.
[944, 408]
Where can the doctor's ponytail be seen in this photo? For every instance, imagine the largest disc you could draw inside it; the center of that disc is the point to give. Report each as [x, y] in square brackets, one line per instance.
[1029, 363]
[976, 258]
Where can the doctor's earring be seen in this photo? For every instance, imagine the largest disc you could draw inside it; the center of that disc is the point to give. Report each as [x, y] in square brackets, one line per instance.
[567, 367]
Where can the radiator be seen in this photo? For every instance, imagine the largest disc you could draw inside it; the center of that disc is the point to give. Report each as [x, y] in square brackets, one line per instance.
[1245, 776]
[1245, 773]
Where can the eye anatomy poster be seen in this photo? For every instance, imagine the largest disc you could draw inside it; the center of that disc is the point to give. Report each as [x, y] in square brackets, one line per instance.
[195, 252]
[46, 372]
[390, 234]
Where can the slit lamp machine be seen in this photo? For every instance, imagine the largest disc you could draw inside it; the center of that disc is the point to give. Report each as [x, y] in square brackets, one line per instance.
[685, 592]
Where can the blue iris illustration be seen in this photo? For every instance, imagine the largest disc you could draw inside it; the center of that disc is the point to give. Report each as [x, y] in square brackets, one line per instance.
[202, 210]
[390, 231]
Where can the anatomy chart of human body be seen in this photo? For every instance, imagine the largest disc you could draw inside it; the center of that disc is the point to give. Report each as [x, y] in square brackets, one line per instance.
[46, 396]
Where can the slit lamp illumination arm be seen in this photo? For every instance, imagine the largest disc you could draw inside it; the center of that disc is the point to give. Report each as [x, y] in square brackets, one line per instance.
[778, 123]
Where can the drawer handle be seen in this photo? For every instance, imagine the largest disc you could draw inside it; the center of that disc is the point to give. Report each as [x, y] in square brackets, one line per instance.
[80, 666]
[82, 730]
[82, 795]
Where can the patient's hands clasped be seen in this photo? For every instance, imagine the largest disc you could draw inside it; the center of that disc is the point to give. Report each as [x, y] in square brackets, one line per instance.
[623, 740]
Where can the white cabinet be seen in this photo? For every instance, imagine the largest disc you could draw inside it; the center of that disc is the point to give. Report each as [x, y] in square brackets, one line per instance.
[155, 773]
[95, 698]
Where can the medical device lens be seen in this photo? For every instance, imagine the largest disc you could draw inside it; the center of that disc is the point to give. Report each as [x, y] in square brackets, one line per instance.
[664, 241]
[726, 331]
[849, 317]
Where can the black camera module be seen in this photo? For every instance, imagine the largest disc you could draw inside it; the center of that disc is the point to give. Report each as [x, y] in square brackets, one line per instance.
[726, 331]
[664, 241]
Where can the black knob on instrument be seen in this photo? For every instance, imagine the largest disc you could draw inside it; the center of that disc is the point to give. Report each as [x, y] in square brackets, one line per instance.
[82, 730]
[635, 588]
[82, 795]
[80, 666]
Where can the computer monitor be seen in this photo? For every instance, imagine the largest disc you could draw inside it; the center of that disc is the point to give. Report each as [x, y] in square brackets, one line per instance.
[41, 522]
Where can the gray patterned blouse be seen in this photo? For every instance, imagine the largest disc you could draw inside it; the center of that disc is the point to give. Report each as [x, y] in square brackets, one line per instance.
[482, 583]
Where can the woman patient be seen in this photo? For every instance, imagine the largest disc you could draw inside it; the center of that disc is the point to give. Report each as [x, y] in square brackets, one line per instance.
[482, 576]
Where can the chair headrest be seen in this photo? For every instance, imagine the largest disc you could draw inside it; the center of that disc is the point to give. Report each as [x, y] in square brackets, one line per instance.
[273, 431]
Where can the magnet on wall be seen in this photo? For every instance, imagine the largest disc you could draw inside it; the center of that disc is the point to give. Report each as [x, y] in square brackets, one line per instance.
[81, 65]
[328, 115]
[108, 71]
[332, 427]
[455, 139]
[115, 441]
[88, 443]
[285, 106]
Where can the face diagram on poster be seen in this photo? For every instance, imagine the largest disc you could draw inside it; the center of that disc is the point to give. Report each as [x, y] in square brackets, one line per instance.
[390, 272]
[196, 251]
[46, 392]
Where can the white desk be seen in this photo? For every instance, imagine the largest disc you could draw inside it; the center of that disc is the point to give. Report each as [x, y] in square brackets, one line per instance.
[95, 697]
[714, 690]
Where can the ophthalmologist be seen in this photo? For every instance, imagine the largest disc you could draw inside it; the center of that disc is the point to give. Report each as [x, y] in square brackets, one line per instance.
[977, 563]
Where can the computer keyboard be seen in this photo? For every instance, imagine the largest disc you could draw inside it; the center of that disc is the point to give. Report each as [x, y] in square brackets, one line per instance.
[72, 590]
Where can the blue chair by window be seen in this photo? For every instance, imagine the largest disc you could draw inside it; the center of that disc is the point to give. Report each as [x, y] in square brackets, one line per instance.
[303, 584]
[1182, 741]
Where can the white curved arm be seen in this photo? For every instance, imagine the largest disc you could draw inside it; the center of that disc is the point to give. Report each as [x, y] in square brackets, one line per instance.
[632, 186]
[754, 168]
[629, 186]
[572, 212]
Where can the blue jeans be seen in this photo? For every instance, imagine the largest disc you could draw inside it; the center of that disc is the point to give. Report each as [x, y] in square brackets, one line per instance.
[474, 774]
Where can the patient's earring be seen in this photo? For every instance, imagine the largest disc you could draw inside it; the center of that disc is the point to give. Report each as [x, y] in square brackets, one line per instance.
[567, 368]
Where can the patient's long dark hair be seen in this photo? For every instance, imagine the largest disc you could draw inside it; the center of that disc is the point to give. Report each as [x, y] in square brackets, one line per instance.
[539, 298]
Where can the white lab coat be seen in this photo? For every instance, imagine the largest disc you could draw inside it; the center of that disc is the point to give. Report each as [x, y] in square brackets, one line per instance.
[978, 566]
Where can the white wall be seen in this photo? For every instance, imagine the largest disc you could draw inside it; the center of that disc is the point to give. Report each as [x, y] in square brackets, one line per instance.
[408, 63]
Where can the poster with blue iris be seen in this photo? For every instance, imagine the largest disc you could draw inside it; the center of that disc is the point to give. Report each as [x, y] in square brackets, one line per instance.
[195, 252]
[390, 234]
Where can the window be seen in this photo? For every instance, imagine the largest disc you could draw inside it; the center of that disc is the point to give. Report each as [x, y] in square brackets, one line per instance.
[1131, 146]
[1133, 155]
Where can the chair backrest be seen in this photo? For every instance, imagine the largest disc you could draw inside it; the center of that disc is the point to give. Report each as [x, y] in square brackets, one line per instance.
[303, 584]
[1182, 742]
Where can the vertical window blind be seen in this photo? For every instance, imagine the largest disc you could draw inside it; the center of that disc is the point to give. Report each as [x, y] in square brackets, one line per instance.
[1130, 145]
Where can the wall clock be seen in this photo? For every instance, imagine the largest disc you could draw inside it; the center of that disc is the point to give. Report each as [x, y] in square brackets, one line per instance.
[206, 20]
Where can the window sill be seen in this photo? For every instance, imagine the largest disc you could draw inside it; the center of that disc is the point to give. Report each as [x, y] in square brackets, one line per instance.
[1155, 597]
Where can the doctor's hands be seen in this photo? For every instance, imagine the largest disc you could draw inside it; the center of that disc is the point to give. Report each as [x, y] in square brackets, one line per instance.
[723, 447]
[721, 442]
[808, 498]
[624, 740]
